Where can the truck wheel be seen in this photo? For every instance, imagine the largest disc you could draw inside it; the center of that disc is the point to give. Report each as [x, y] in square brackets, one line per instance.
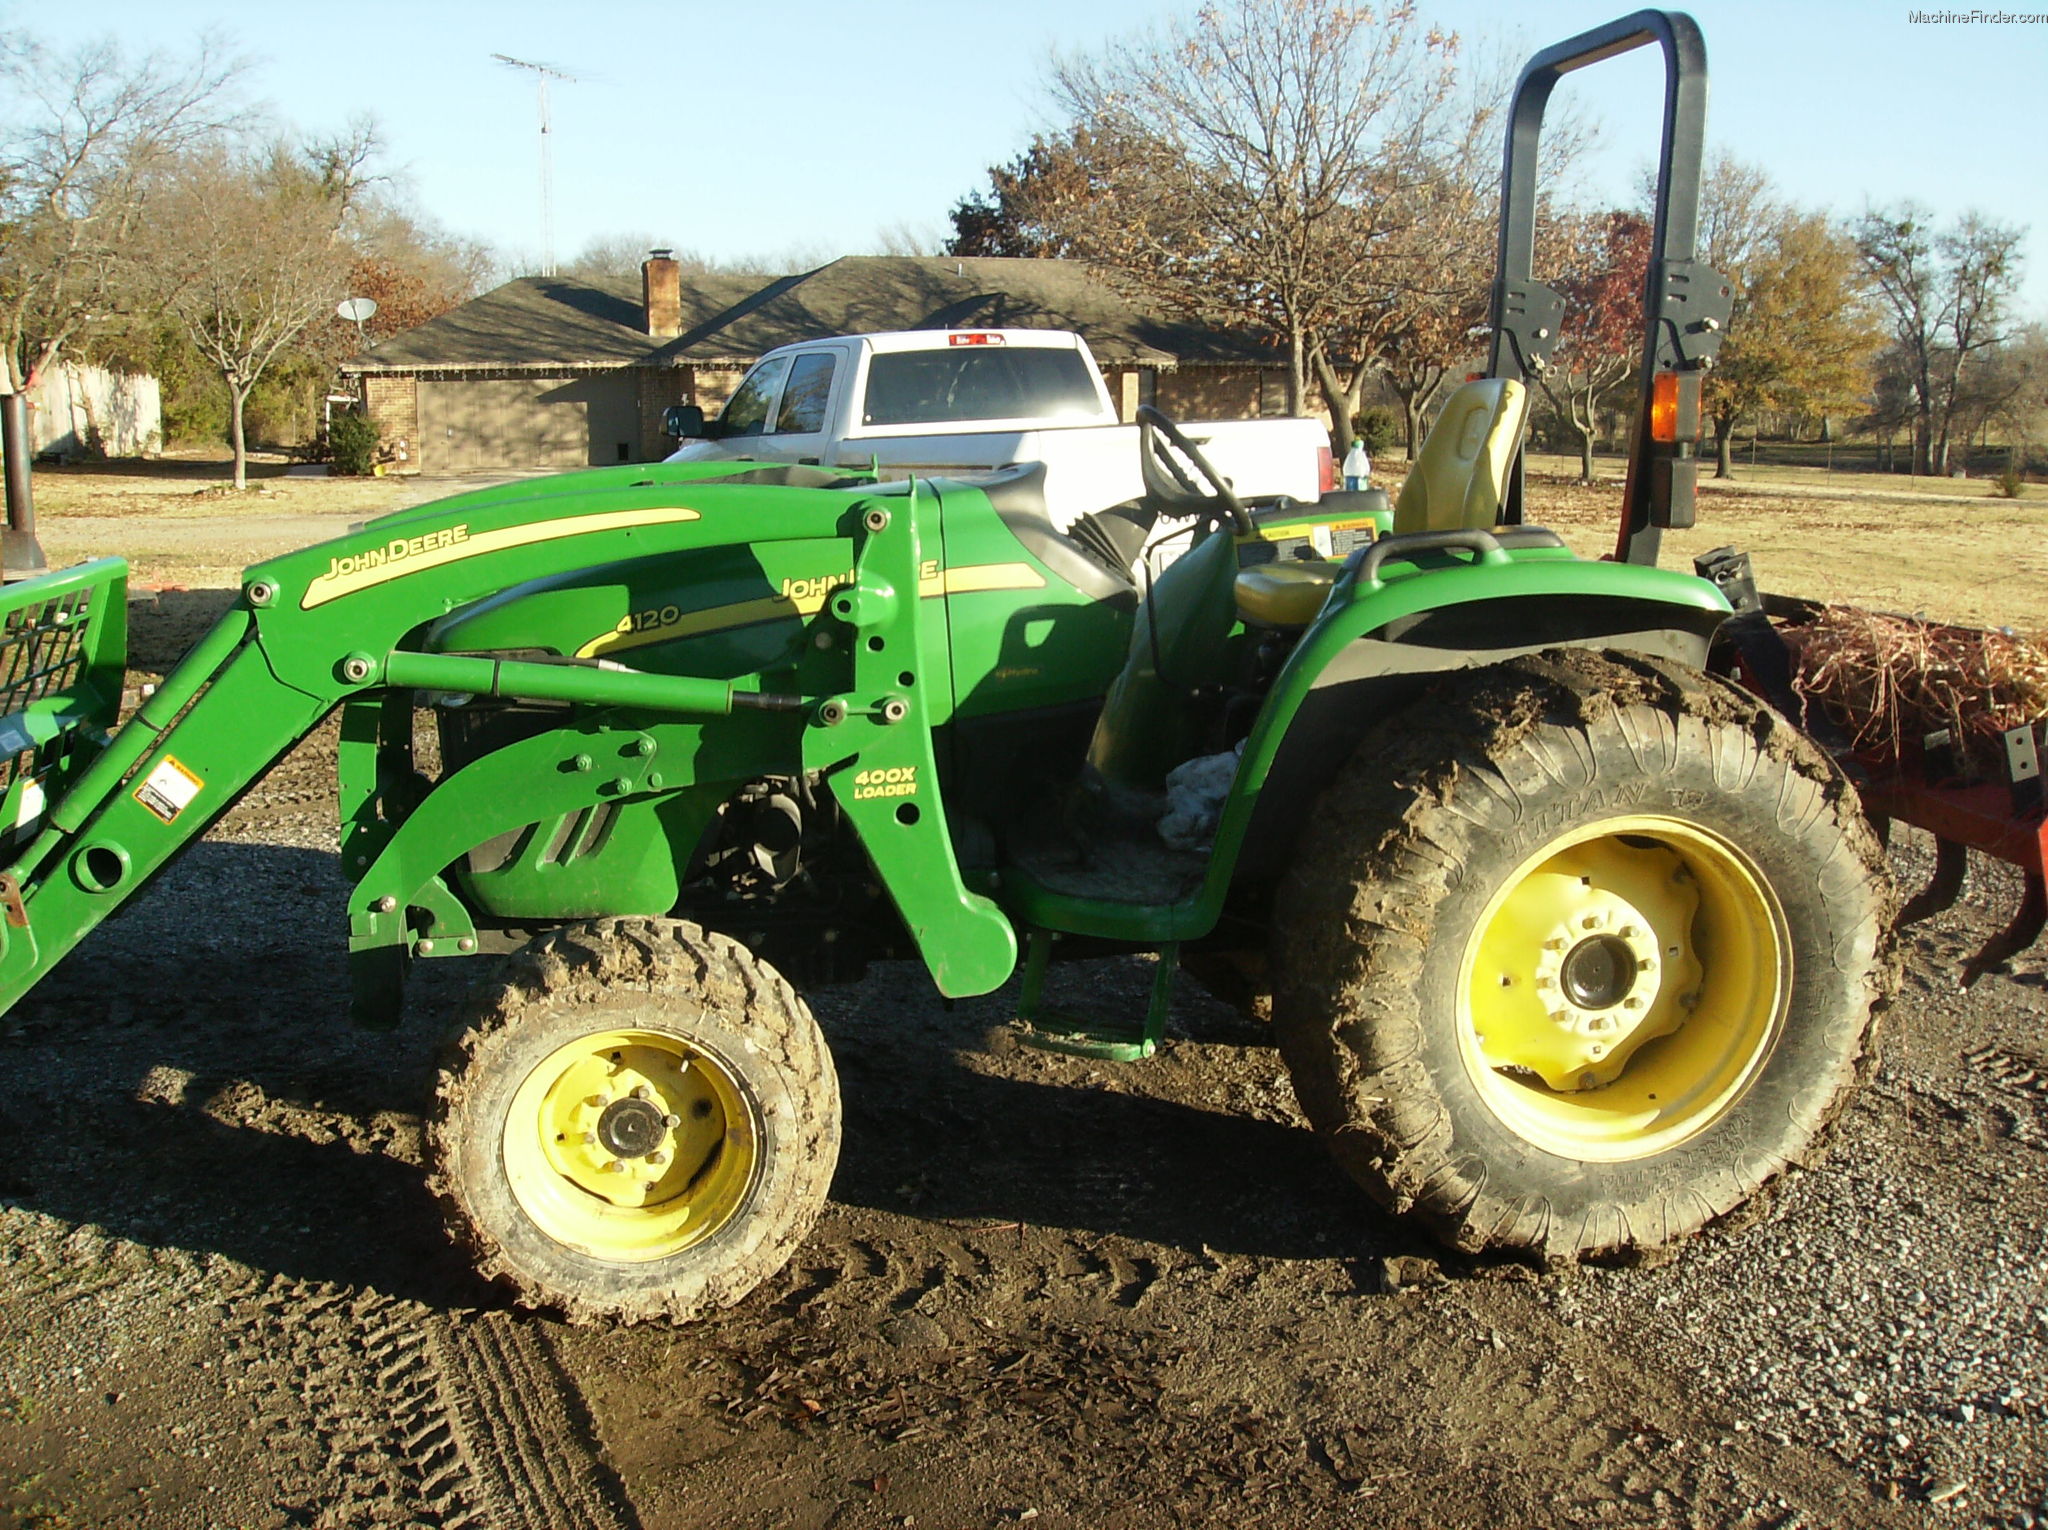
[1580, 955]
[642, 1124]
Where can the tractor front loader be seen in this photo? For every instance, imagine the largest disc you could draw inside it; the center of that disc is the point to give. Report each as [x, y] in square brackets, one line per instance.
[1571, 945]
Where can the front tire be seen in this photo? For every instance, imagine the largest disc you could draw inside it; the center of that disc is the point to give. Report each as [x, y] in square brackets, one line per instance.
[642, 1124]
[1580, 956]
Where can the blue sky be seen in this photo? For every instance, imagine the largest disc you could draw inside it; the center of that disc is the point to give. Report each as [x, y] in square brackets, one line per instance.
[741, 128]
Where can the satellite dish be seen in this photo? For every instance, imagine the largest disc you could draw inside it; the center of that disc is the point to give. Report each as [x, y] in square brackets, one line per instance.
[356, 310]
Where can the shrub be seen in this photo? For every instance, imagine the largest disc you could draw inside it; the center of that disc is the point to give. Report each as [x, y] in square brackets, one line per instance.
[352, 444]
[1378, 428]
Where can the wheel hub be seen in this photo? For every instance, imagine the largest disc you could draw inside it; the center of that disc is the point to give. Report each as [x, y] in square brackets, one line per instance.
[1592, 957]
[632, 1128]
[1623, 987]
[1598, 972]
[631, 1144]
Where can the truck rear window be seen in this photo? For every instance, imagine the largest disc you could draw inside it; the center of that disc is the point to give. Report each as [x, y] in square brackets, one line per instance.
[976, 383]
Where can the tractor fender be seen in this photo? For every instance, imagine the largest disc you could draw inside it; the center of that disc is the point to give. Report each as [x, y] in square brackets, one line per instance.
[1368, 657]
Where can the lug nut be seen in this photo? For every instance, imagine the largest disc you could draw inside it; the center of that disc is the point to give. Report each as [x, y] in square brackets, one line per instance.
[671, 1122]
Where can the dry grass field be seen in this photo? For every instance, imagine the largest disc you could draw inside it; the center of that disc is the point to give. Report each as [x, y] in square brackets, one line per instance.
[1943, 547]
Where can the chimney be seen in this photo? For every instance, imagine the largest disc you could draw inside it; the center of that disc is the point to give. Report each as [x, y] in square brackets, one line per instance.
[661, 294]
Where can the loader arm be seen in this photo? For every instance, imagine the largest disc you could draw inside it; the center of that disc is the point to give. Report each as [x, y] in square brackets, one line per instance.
[342, 624]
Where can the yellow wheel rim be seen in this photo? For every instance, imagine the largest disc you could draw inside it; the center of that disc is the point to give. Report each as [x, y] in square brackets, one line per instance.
[631, 1145]
[1623, 989]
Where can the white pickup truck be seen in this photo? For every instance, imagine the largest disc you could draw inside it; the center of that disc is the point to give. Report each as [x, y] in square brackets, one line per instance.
[958, 402]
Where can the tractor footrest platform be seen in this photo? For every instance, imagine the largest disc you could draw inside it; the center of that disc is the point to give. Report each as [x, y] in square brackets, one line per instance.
[1057, 1030]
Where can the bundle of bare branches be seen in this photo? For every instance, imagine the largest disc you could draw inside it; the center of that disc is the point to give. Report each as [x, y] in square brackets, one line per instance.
[1889, 681]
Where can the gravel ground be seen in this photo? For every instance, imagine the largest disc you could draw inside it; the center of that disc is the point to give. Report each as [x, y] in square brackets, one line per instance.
[1047, 1290]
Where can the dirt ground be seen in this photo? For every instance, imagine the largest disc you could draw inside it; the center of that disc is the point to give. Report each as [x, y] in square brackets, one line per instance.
[1047, 1290]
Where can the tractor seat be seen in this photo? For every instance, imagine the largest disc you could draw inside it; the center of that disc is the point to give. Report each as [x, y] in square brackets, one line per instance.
[1284, 594]
[1095, 563]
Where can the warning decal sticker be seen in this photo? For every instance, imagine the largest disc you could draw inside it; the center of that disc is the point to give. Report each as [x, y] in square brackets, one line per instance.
[168, 790]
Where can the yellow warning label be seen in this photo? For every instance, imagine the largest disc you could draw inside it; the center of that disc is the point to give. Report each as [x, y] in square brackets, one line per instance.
[168, 789]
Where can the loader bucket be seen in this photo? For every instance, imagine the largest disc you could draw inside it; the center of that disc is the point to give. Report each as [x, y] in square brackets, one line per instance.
[63, 655]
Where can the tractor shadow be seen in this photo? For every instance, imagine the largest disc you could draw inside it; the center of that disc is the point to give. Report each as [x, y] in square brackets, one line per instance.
[1197, 1149]
[188, 1078]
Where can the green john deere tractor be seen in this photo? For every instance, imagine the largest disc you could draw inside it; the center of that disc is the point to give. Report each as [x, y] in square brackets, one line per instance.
[1570, 944]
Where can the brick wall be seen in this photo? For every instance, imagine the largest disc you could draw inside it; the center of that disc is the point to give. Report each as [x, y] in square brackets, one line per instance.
[659, 389]
[1209, 393]
[394, 403]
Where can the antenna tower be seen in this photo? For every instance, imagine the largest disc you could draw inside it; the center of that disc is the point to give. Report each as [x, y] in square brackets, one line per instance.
[542, 73]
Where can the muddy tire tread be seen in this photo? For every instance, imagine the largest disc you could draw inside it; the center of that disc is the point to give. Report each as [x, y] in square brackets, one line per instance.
[1390, 841]
[583, 964]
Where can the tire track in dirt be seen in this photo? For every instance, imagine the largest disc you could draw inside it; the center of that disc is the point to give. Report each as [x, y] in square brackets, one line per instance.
[520, 1431]
[404, 1415]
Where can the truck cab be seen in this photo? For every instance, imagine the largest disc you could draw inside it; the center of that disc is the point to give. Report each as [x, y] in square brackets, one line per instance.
[924, 403]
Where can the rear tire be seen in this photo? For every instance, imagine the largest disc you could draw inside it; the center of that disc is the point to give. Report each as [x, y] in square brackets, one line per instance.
[642, 1123]
[1580, 955]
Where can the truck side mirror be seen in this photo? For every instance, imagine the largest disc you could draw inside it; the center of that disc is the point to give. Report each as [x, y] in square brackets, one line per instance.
[684, 422]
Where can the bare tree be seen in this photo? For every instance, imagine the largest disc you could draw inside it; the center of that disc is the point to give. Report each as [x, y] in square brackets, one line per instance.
[621, 255]
[1412, 314]
[85, 136]
[904, 237]
[1247, 163]
[249, 252]
[2010, 391]
[1946, 295]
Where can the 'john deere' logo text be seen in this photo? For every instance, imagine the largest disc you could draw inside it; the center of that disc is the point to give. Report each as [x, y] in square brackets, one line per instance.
[396, 549]
[801, 591]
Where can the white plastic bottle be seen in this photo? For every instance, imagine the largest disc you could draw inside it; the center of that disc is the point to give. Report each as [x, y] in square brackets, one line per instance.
[1357, 466]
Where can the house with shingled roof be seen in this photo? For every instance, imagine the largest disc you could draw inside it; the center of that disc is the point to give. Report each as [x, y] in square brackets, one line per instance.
[563, 372]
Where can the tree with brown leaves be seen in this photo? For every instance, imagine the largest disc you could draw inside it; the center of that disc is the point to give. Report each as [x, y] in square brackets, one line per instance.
[1604, 261]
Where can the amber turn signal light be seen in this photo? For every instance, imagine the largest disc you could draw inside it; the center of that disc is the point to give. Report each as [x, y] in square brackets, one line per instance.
[1664, 407]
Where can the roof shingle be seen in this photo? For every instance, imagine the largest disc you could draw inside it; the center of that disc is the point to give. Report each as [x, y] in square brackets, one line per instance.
[537, 322]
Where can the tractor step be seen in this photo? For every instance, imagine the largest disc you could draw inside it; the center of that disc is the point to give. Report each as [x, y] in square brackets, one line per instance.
[1059, 1030]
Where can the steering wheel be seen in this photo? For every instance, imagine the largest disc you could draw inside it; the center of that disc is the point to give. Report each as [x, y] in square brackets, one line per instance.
[1168, 483]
